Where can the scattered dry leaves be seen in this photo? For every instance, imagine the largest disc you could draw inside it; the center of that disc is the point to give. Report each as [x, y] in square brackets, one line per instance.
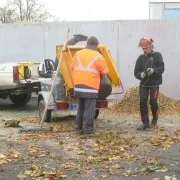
[3, 159]
[37, 151]
[166, 141]
[15, 154]
[39, 173]
[62, 128]
[145, 171]
[129, 173]
[68, 166]
[113, 146]
[129, 104]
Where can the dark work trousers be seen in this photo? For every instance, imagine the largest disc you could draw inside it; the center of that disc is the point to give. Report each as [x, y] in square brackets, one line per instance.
[144, 94]
[86, 111]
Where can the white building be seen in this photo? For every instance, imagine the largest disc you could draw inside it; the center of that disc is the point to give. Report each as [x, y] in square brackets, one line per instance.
[167, 9]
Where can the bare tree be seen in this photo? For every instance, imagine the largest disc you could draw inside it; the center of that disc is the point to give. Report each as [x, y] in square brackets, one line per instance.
[7, 14]
[23, 10]
[30, 10]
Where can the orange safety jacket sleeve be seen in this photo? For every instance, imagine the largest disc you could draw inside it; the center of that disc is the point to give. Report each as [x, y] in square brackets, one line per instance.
[102, 67]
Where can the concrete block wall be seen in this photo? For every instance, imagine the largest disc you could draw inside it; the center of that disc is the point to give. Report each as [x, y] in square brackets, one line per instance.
[33, 42]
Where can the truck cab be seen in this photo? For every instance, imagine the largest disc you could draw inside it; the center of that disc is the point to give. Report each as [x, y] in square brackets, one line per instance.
[16, 82]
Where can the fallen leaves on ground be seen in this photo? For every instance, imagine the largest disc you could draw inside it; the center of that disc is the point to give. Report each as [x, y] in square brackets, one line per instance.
[83, 170]
[12, 156]
[37, 151]
[80, 151]
[129, 104]
[155, 161]
[145, 171]
[129, 173]
[15, 154]
[3, 159]
[166, 141]
[62, 128]
[113, 146]
[79, 167]
[68, 166]
[104, 153]
[31, 119]
[52, 133]
[40, 135]
[26, 137]
[40, 173]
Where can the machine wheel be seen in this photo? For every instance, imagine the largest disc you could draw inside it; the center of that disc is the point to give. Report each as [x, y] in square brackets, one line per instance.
[41, 108]
[96, 113]
[20, 100]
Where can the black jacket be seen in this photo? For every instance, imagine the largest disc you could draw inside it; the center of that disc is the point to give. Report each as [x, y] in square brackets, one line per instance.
[153, 60]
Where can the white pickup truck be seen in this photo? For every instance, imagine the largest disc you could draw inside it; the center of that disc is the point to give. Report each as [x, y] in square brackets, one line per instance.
[18, 82]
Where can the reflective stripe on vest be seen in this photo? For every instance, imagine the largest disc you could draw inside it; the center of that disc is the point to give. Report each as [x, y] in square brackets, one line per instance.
[86, 90]
[88, 67]
[105, 70]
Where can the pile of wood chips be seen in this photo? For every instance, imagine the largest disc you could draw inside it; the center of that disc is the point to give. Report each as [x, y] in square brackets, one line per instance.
[130, 104]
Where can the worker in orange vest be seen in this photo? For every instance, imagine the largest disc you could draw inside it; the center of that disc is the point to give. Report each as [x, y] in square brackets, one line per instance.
[88, 64]
[149, 69]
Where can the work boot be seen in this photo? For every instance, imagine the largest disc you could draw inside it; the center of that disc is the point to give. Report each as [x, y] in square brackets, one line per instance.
[79, 131]
[89, 135]
[143, 127]
[154, 123]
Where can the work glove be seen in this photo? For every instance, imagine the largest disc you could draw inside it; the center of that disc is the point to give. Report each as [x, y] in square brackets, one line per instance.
[150, 71]
[143, 75]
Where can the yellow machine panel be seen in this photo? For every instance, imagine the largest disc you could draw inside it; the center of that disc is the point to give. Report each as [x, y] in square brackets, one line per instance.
[66, 70]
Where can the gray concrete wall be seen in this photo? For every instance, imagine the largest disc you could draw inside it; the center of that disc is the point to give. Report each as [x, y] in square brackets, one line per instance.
[33, 42]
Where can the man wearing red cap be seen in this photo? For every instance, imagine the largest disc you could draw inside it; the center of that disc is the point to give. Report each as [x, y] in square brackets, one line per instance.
[148, 69]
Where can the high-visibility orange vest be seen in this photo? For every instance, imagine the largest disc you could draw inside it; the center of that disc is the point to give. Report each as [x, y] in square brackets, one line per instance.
[88, 65]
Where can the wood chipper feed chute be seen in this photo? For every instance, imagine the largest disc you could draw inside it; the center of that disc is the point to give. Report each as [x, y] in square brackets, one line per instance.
[65, 67]
[67, 72]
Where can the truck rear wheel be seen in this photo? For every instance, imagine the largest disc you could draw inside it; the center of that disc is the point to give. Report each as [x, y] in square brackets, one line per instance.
[20, 100]
[41, 108]
[96, 113]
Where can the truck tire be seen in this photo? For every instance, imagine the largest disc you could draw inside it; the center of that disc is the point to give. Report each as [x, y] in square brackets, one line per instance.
[20, 100]
[96, 113]
[41, 107]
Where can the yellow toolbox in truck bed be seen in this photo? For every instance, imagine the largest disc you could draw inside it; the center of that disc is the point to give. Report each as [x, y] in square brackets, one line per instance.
[25, 69]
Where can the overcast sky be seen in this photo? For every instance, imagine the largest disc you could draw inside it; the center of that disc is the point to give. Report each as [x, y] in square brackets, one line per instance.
[75, 10]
